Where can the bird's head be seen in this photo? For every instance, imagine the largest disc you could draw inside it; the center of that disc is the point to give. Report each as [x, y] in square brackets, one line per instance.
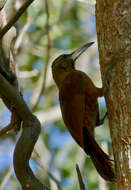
[64, 63]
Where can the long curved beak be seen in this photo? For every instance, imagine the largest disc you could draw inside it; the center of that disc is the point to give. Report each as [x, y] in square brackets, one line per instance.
[75, 54]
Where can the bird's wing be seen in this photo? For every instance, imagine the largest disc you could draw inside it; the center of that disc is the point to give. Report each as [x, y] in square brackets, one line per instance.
[91, 103]
[79, 110]
[72, 101]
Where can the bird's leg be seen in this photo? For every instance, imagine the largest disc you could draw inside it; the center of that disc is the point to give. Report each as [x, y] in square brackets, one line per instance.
[100, 121]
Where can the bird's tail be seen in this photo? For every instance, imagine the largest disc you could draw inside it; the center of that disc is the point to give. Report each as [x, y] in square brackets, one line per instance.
[100, 159]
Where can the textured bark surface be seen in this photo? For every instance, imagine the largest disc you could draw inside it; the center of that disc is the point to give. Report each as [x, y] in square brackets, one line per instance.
[113, 22]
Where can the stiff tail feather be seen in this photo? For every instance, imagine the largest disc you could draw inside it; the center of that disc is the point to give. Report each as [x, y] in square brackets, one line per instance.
[100, 159]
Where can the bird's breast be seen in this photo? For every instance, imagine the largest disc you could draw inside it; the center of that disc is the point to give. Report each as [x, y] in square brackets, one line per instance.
[78, 107]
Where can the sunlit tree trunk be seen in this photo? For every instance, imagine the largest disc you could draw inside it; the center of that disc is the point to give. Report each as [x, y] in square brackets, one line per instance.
[113, 20]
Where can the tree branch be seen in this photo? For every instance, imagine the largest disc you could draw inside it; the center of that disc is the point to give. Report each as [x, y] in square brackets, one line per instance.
[9, 92]
[48, 173]
[14, 124]
[114, 52]
[36, 97]
[22, 154]
[14, 19]
[7, 69]
[81, 184]
[6, 178]
[27, 140]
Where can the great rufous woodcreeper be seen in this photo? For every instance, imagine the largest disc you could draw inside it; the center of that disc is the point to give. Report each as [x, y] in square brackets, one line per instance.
[79, 106]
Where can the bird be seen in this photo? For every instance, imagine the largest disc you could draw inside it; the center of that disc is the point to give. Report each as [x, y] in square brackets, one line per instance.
[78, 97]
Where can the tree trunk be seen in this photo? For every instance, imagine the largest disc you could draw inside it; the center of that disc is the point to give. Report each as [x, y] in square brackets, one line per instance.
[113, 20]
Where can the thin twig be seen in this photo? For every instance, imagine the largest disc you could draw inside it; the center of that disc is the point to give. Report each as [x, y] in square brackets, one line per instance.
[2, 4]
[14, 124]
[21, 35]
[6, 129]
[81, 184]
[48, 173]
[6, 178]
[43, 83]
[16, 16]
[47, 28]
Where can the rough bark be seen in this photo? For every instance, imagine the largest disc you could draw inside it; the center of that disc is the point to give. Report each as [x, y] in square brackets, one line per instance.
[113, 21]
